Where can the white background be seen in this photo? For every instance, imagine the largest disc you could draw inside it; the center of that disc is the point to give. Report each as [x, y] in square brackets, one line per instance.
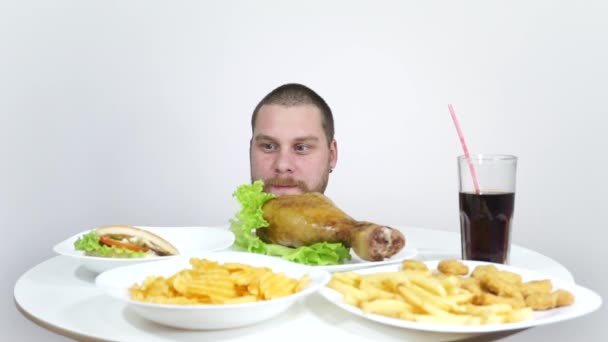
[138, 112]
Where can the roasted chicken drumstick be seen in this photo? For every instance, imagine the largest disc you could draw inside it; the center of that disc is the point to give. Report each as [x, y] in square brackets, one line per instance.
[302, 220]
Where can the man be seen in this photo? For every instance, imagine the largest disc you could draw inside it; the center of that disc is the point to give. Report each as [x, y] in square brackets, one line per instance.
[292, 148]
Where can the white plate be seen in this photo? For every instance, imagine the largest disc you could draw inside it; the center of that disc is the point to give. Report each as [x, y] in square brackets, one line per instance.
[208, 316]
[355, 262]
[187, 240]
[586, 301]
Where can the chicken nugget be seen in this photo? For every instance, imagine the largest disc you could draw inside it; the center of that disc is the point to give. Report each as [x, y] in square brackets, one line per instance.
[509, 277]
[481, 270]
[471, 285]
[411, 264]
[563, 298]
[452, 267]
[541, 301]
[536, 286]
[494, 284]
[486, 298]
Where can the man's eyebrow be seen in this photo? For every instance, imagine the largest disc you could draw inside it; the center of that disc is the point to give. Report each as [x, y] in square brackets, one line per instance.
[263, 137]
[308, 138]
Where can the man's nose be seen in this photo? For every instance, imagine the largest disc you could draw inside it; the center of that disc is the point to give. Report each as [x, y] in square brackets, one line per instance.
[284, 162]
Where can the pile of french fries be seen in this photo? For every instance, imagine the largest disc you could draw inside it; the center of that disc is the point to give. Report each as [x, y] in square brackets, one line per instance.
[209, 282]
[449, 295]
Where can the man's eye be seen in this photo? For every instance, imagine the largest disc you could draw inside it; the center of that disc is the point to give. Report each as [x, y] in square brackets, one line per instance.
[268, 146]
[301, 148]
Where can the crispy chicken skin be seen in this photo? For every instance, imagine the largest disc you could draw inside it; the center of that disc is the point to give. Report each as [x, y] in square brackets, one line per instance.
[302, 220]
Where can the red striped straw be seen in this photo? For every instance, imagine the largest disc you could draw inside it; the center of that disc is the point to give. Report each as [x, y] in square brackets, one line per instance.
[464, 147]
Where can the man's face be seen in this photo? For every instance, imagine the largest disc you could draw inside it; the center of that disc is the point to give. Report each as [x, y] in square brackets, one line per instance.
[289, 150]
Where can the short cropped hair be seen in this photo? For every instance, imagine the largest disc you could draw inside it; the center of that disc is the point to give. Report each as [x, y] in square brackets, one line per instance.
[294, 94]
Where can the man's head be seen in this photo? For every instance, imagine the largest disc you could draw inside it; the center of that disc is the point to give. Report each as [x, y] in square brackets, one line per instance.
[292, 148]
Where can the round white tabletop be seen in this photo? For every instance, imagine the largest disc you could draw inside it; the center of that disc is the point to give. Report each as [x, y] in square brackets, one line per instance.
[60, 295]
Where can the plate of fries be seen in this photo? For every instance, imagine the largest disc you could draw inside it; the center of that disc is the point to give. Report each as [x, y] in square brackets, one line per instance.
[454, 296]
[216, 290]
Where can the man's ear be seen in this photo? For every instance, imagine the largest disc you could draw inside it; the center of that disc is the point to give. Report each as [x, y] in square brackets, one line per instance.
[333, 154]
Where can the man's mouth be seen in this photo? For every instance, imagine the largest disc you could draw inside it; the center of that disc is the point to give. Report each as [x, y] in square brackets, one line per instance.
[284, 185]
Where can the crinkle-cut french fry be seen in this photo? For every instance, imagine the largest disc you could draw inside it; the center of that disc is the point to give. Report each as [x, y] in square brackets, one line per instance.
[217, 292]
[203, 264]
[209, 282]
[274, 285]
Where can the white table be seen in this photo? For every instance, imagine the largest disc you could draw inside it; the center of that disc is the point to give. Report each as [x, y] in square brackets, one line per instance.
[60, 295]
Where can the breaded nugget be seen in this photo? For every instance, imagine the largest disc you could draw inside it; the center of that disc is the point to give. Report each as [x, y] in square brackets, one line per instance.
[471, 285]
[509, 277]
[563, 298]
[452, 267]
[486, 298]
[480, 270]
[541, 301]
[536, 286]
[411, 264]
[494, 284]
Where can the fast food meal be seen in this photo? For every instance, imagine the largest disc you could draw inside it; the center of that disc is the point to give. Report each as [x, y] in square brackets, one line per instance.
[307, 228]
[121, 241]
[416, 293]
[209, 282]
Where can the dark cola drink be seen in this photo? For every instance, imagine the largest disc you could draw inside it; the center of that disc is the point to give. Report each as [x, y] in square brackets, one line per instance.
[486, 225]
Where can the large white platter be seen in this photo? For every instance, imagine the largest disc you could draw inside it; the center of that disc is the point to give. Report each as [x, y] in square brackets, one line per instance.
[586, 302]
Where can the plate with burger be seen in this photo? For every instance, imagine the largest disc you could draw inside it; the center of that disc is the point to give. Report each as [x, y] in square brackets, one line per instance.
[113, 246]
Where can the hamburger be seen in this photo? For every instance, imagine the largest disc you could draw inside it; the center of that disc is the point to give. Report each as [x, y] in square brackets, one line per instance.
[122, 241]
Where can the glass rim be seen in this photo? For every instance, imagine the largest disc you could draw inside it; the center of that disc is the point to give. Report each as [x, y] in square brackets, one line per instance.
[489, 156]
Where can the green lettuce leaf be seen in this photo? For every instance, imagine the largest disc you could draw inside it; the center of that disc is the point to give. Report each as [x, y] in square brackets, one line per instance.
[89, 243]
[252, 198]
